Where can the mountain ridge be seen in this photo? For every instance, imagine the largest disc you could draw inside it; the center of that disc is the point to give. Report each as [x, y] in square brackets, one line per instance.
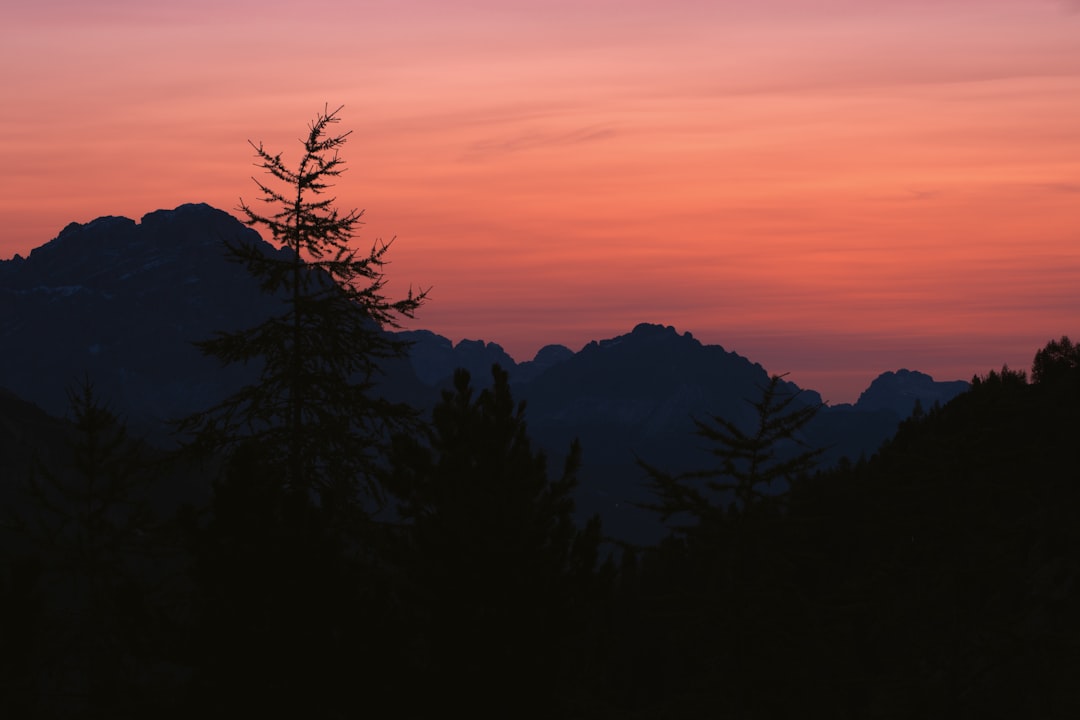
[96, 252]
[121, 302]
[55, 304]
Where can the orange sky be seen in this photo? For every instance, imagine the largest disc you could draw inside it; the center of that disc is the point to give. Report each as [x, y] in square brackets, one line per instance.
[832, 188]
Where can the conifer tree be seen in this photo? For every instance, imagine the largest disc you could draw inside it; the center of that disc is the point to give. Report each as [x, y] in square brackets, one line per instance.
[281, 605]
[1058, 360]
[89, 523]
[503, 579]
[754, 468]
[315, 408]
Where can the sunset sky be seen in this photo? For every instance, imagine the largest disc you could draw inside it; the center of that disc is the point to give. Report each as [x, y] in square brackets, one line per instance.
[832, 188]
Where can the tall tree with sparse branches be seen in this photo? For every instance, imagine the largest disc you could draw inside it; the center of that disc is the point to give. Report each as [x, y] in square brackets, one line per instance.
[315, 407]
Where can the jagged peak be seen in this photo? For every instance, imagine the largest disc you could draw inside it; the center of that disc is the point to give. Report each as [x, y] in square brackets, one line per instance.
[98, 224]
[466, 344]
[551, 354]
[647, 333]
[187, 210]
[657, 330]
[107, 222]
[116, 231]
[904, 374]
[898, 390]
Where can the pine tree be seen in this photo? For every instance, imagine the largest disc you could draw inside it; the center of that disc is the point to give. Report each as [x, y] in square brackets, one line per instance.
[1055, 362]
[504, 582]
[283, 629]
[315, 408]
[754, 469]
[89, 522]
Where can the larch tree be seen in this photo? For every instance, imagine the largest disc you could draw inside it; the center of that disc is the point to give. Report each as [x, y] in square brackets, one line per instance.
[315, 408]
[754, 467]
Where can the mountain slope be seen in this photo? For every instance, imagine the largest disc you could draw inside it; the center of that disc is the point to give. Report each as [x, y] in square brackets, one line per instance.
[122, 302]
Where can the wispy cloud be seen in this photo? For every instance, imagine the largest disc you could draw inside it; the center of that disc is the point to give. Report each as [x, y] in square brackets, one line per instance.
[536, 139]
[1061, 187]
[916, 194]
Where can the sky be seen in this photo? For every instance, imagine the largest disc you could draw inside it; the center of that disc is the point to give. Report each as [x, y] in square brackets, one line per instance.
[831, 188]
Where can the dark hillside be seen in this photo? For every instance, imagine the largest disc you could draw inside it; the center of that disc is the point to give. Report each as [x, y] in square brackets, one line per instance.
[941, 578]
[26, 433]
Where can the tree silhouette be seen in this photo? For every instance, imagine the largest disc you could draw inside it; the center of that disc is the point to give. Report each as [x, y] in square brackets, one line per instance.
[754, 468]
[315, 407]
[503, 580]
[282, 628]
[89, 523]
[1058, 360]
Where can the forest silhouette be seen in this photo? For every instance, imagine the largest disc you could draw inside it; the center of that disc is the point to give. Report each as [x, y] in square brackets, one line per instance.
[353, 557]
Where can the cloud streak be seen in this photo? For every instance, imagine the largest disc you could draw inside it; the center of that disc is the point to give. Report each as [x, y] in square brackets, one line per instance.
[537, 139]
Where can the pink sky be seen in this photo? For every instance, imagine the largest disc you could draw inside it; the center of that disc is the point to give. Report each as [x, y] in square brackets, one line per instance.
[832, 188]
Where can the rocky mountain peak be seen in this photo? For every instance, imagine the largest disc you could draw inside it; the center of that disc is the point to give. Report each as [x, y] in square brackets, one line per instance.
[898, 391]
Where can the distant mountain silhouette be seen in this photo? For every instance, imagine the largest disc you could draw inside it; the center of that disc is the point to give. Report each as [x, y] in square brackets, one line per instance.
[435, 358]
[122, 302]
[899, 391]
[635, 396]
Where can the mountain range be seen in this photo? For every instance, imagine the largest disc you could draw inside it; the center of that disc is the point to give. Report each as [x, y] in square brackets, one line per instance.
[120, 303]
